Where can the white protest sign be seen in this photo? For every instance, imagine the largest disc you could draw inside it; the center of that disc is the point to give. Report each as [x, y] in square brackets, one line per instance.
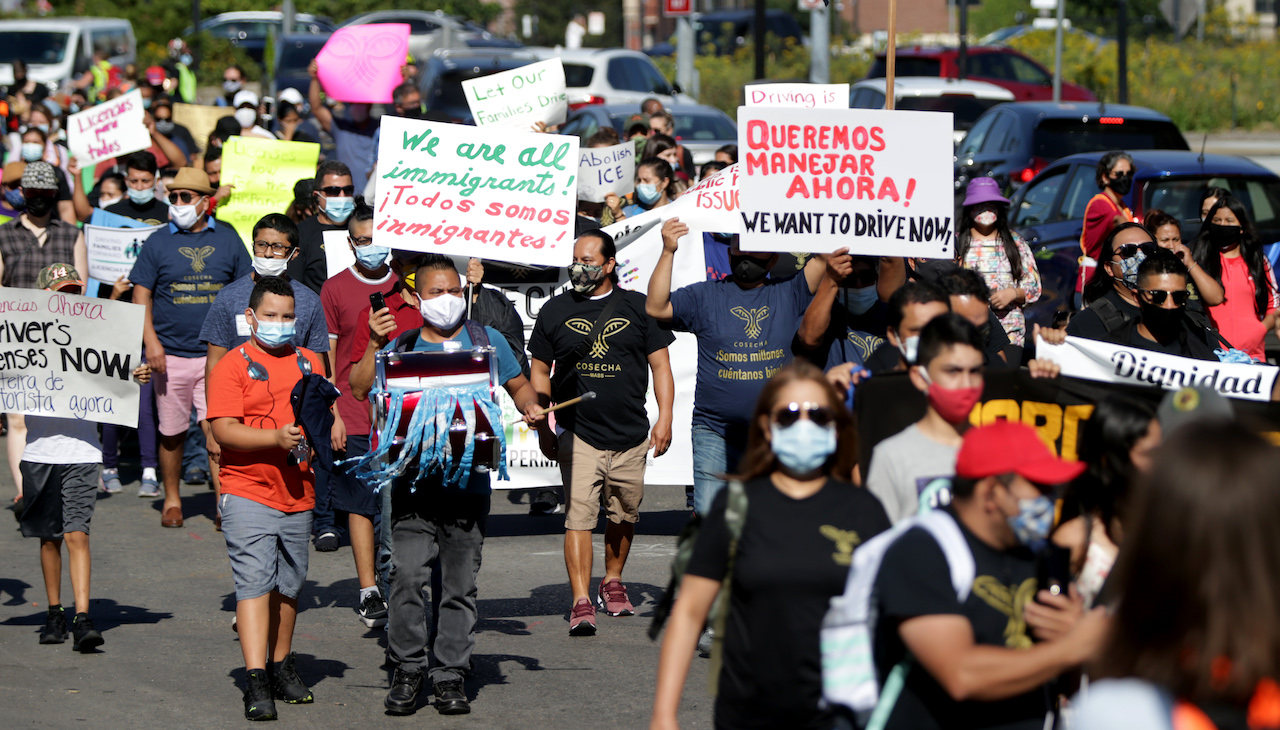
[69, 356]
[110, 129]
[518, 98]
[337, 254]
[604, 170]
[711, 206]
[805, 96]
[112, 251]
[466, 191]
[1093, 360]
[815, 180]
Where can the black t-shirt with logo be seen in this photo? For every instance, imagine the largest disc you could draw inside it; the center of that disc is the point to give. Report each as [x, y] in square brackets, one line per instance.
[914, 581]
[793, 557]
[616, 366]
[155, 212]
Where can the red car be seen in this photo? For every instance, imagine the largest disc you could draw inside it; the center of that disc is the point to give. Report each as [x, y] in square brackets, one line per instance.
[1028, 80]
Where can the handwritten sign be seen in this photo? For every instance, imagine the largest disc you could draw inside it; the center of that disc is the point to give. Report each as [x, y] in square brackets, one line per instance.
[518, 98]
[454, 189]
[69, 356]
[108, 130]
[604, 170]
[361, 63]
[804, 96]
[711, 206]
[112, 251]
[876, 181]
[263, 172]
[200, 120]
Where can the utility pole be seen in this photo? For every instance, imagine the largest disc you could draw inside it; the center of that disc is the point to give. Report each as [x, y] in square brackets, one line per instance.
[1122, 51]
[685, 51]
[819, 45]
[1057, 53]
[962, 62]
[759, 38]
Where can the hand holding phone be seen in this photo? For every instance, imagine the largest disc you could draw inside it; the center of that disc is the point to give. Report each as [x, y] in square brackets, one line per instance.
[377, 301]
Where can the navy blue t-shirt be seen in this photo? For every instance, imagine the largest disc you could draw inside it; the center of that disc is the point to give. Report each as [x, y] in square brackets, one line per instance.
[744, 337]
[227, 326]
[184, 272]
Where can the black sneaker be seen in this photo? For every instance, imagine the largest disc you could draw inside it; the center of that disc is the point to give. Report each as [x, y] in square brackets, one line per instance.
[450, 699]
[545, 502]
[373, 611]
[87, 638]
[403, 697]
[327, 542]
[258, 704]
[55, 627]
[286, 684]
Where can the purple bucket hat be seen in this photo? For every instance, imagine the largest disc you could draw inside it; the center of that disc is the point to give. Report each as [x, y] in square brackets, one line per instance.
[983, 190]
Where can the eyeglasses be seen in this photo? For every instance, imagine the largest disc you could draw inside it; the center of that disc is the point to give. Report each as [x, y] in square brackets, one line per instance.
[1129, 250]
[345, 191]
[183, 197]
[792, 412]
[361, 241]
[1158, 296]
[277, 249]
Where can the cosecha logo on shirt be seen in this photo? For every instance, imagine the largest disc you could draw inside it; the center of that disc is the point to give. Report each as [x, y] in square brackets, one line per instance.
[197, 256]
[753, 318]
[1009, 600]
[845, 540]
[611, 328]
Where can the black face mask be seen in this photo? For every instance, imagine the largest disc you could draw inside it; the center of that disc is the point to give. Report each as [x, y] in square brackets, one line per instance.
[1161, 321]
[748, 269]
[40, 206]
[1225, 237]
[1121, 185]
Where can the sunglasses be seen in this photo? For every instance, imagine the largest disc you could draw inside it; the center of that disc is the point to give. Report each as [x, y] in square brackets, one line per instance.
[1129, 250]
[345, 191]
[1158, 296]
[183, 197]
[792, 412]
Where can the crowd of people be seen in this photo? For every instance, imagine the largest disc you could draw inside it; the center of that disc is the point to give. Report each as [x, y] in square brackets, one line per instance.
[998, 577]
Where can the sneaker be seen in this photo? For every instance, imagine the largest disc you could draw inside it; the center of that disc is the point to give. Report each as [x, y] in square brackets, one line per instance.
[286, 684]
[612, 599]
[705, 641]
[373, 610]
[150, 489]
[87, 638]
[450, 699]
[109, 482]
[546, 503]
[258, 703]
[195, 476]
[403, 697]
[582, 620]
[327, 542]
[55, 627]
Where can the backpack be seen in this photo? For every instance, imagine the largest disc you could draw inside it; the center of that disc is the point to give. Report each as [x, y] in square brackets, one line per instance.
[849, 675]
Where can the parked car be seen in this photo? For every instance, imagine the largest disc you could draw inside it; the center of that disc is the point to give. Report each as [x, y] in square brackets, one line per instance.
[613, 76]
[723, 32]
[250, 29]
[966, 100]
[433, 29]
[1001, 36]
[293, 55]
[57, 50]
[701, 129]
[442, 73]
[1028, 80]
[1049, 210]
[1013, 142]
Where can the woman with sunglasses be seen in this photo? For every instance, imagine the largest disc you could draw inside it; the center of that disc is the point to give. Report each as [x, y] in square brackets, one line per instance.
[1109, 298]
[986, 245]
[803, 521]
[1229, 251]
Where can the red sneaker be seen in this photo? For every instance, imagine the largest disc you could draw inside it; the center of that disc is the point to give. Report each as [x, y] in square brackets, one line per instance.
[582, 620]
[612, 598]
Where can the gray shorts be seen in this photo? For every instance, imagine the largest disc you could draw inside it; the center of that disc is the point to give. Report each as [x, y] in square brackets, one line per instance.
[268, 548]
[57, 498]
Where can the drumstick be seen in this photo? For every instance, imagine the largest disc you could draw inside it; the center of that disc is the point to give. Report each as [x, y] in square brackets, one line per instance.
[571, 402]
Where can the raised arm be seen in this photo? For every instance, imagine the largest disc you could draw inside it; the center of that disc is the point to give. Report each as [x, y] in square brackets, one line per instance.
[814, 269]
[321, 112]
[658, 304]
[381, 324]
[80, 254]
[893, 274]
[177, 158]
[817, 318]
[79, 200]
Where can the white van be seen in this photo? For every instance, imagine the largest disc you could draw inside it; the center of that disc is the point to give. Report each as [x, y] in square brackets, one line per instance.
[57, 50]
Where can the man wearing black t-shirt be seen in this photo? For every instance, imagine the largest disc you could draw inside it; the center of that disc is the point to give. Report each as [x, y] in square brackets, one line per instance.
[1163, 324]
[140, 185]
[981, 662]
[603, 441]
[335, 201]
[1112, 302]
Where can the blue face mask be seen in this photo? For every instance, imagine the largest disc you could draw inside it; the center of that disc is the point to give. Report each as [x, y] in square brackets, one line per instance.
[1033, 522]
[648, 194]
[141, 197]
[274, 334]
[372, 257]
[804, 446]
[858, 301]
[339, 209]
[14, 199]
[1129, 269]
[185, 59]
[32, 151]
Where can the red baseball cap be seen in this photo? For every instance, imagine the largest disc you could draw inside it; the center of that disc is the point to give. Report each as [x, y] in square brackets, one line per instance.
[1007, 447]
[155, 75]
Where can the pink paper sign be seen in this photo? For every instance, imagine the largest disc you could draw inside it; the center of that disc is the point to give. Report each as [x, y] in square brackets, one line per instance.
[362, 63]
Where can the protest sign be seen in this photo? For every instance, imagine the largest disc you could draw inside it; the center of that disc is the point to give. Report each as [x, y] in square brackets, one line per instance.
[263, 172]
[110, 129]
[518, 98]
[805, 96]
[200, 120]
[876, 181]
[112, 251]
[604, 170]
[711, 206]
[337, 254]
[495, 194]
[69, 356]
[361, 63]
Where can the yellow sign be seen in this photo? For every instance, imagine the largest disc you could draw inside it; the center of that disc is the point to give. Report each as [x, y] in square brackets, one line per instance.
[263, 172]
[200, 120]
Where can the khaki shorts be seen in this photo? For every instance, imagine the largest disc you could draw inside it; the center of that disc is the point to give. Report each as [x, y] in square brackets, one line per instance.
[586, 470]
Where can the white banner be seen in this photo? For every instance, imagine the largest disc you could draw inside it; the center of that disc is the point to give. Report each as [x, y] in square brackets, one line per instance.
[337, 254]
[1102, 361]
[804, 96]
[604, 170]
[112, 251]
[711, 205]
[815, 180]
[110, 129]
[465, 191]
[518, 98]
[69, 356]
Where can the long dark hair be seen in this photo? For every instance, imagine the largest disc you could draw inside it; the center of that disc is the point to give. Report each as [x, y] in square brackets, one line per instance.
[759, 460]
[965, 237]
[1210, 258]
[1102, 282]
[1216, 193]
[1200, 568]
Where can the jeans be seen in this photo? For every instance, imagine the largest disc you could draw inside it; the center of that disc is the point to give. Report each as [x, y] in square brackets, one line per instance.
[713, 457]
[195, 454]
[148, 433]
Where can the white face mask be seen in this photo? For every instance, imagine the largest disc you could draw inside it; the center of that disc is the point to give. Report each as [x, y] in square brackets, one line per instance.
[269, 266]
[107, 202]
[909, 348]
[184, 216]
[443, 312]
[246, 117]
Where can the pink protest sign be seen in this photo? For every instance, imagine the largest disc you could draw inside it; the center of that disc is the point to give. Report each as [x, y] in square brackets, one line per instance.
[362, 63]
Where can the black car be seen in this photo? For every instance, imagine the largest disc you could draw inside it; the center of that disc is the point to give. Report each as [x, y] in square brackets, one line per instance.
[442, 74]
[294, 54]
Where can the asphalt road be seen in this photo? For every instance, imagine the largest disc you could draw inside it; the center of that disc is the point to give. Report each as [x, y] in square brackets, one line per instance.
[164, 601]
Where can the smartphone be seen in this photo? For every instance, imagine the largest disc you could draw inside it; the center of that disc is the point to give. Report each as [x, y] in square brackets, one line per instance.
[377, 301]
[1054, 570]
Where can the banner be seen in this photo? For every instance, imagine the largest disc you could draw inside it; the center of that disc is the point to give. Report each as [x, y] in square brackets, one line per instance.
[1093, 360]
[112, 251]
[804, 96]
[711, 206]
[361, 63]
[495, 194]
[69, 356]
[518, 98]
[604, 170]
[110, 129]
[815, 180]
[263, 172]
[200, 120]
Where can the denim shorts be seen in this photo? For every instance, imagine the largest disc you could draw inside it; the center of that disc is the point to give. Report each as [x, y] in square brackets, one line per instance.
[268, 548]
